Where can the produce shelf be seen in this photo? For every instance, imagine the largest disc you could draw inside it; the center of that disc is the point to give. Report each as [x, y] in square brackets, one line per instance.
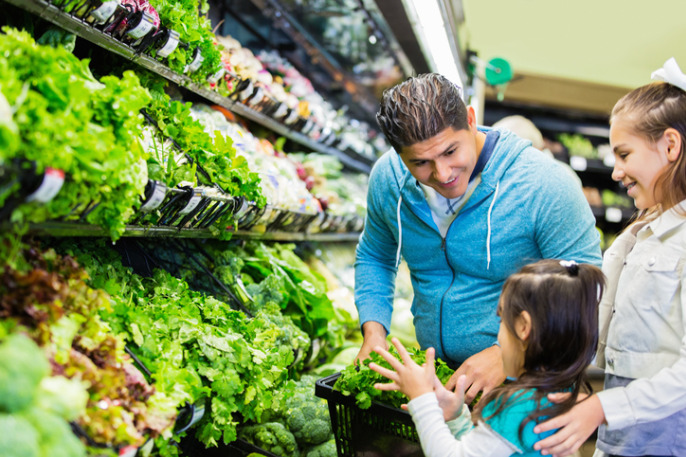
[288, 23]
[613, 214]
[65, 229]
[84, 30]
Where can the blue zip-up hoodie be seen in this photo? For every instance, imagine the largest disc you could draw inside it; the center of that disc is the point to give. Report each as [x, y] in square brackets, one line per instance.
[527, 207]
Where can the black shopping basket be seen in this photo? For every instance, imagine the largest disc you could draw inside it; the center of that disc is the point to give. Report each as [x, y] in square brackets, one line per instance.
[380, 431]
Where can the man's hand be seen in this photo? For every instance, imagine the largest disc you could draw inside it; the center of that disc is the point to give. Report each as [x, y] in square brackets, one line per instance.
[576, 425]
[484, 372]
[374, 335]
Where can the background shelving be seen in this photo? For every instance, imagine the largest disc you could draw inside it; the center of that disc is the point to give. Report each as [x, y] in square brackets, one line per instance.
[74, 25]
[608, 200]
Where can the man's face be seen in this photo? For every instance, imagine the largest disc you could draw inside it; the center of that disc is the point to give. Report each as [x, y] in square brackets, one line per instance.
[445, 161]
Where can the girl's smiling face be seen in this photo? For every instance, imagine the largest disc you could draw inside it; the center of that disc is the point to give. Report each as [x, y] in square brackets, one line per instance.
[638, 162]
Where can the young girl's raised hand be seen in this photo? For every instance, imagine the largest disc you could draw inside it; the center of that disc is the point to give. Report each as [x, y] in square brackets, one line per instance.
[409, 378]
[414, 380]
[450, 401]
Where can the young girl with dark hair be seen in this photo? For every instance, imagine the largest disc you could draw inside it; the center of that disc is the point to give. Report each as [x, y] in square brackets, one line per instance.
[548, 336]
[642, 409]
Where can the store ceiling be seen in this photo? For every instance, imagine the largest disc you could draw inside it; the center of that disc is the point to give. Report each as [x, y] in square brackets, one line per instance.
[582, 54]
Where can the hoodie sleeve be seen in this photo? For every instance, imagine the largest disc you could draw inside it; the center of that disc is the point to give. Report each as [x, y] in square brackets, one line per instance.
[375, 268]
[565, 225]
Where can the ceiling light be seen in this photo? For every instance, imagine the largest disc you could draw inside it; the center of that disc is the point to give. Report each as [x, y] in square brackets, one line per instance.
[427, 22]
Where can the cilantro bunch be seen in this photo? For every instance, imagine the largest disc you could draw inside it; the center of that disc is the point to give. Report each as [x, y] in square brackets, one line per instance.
[188, 18]
[197, 347]
[214, 154]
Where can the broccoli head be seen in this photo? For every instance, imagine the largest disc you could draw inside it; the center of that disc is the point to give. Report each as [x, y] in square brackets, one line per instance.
[272, 437]
[326, 449]
[308, 419]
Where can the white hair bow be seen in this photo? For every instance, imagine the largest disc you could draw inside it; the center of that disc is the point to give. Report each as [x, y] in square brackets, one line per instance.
[670, 73]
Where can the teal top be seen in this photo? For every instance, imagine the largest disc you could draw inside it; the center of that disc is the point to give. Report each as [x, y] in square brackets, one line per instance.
[506, 423]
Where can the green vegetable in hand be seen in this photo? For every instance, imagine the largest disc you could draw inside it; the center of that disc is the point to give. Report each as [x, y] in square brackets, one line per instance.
[359, 380]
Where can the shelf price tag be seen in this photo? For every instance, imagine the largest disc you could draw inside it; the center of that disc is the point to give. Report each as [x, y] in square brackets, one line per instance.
[245, 93]
[146, 24]
[128, 451]
[245, 206]
[198, 413]
[578, 163]
[158, 193]
[192, 203]
[280, 111]
[613, 214]
[52, 183]
[196, 62]
[292, 117]
[102, 13]
[214, 78]
[170, 45]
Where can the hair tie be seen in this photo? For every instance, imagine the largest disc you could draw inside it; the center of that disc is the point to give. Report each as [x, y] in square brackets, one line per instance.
[670, 73]
[571, 266]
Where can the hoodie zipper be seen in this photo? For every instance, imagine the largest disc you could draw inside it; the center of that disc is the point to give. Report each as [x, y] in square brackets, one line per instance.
[440, 309]
[452, 281]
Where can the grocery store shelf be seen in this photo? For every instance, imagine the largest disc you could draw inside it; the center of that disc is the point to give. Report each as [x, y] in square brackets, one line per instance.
[74, 25]
[582, 164]
[67, 229]
[292, 27]
[613, 214]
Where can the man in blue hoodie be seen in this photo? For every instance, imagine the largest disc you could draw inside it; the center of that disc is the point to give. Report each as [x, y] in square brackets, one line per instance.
[466, 207]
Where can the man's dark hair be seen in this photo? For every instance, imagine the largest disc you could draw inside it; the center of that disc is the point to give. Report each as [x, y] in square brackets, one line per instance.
[420, 108]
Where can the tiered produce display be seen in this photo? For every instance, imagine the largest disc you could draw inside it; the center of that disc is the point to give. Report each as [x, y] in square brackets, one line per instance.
[166, 346]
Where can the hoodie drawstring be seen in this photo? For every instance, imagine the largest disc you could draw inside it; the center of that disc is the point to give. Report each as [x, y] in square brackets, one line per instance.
[488, 236]
[400, 233]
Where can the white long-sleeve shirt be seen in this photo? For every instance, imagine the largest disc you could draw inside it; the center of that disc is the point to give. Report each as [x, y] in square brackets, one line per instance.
[438, 437]
[643, 324]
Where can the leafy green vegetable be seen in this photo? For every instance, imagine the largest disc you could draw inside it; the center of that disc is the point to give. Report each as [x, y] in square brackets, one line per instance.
[195, 30]
[359, 380]
[197, 347]
[68, 120]
[578, 145]
[52, 303]
[31, 423]
[18, 438]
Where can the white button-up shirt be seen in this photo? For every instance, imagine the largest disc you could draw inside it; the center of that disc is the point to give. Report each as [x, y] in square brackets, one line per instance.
[642, 323]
